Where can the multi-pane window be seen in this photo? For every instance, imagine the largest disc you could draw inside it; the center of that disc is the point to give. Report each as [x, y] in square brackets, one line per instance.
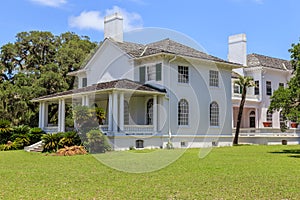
[183, 74]
[150, 72]
[256, 88]
[269, 88]
[269, 116]
[183, 112]
[84, 82]
[214, 114]
[150, 112]
[213, 78]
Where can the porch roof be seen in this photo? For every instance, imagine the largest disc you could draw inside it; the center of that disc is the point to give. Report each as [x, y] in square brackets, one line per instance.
[122, 84]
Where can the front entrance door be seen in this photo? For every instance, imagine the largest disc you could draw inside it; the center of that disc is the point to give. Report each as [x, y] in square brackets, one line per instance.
[252, 119]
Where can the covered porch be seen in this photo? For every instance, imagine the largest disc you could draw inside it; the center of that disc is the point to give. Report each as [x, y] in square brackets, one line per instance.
[131, 108]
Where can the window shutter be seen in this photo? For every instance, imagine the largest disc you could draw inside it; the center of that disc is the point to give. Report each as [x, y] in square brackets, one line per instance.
[158, 72]
[142, 74]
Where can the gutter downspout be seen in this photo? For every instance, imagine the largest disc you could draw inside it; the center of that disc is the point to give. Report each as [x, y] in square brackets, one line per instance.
[169, 117]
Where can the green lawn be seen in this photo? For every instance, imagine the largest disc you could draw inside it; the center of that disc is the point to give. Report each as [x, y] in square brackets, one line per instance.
[242, 172]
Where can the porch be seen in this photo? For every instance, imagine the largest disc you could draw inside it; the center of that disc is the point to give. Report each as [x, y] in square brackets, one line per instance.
[130, 110]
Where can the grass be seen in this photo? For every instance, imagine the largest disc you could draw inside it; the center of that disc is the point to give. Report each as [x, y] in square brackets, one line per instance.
[241, 172]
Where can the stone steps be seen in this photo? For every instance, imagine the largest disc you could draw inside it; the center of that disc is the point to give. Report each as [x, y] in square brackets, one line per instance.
[37, 147]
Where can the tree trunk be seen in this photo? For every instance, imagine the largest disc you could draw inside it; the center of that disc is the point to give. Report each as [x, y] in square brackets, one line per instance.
[239, 119]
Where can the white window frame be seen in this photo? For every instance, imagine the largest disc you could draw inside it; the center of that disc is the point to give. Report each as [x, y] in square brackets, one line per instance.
[183, 74]
[213, 78]
[214, 113]
[183, 113]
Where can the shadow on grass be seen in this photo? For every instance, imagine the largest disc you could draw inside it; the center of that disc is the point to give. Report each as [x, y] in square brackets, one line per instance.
[295, 152]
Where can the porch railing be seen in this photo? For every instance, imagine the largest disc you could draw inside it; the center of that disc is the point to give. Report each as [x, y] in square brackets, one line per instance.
[248, 97]
[131, 129]
[267, 132]
[51, 129]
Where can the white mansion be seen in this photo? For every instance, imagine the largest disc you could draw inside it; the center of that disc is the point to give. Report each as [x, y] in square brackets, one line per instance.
[166, 91]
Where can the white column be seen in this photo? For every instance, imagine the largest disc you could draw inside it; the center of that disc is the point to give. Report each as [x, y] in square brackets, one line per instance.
[154, 113]
[40, 115]
[87, 100]
[256, 118]
[110, 116]
[115, 112]
[83, 100]
[59, 116]
[121, 112]
[43, 115]
[46, 115]
[62, 129]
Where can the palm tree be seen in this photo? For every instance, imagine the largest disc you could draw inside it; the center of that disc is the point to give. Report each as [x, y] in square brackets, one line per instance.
[244, 82]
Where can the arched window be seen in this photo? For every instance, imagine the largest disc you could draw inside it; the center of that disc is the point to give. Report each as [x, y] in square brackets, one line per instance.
[214, 114]
[269, 116]
[183, 112]
[126, 113]
[139, 144]
[150, 112]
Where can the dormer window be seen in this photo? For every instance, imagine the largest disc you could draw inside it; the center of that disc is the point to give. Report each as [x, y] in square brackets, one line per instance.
[84, 82]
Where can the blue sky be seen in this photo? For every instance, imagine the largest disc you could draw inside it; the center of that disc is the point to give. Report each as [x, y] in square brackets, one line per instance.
[271, 25]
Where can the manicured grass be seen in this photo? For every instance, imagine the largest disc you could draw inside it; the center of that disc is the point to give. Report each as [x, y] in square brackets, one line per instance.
[242, 172]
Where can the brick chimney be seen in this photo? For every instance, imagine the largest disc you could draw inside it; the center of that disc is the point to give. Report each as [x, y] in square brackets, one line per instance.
[113, 27]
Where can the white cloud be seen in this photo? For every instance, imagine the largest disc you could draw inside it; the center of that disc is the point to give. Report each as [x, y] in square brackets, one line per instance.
[87, 20]
[51, 3]
[95, 19]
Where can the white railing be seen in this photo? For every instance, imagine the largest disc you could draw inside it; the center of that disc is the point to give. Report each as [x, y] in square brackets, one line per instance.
[50, 129]
[104, 128]
[131, 129]
[248, 96]
[138, 129]
[267, 132]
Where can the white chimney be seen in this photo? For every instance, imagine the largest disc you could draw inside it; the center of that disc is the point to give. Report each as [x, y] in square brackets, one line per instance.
[237, 49]
[113, 27]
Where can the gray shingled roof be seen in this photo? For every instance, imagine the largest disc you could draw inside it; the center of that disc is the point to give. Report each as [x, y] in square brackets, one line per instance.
[116, 84]
[165, 46]
[256, 60]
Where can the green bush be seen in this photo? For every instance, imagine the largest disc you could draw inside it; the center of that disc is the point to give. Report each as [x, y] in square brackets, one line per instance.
[97, 142]
[50, 142]
[35, 135]
[54, 141]
[10, 146]
[5, 131]
[70, 138]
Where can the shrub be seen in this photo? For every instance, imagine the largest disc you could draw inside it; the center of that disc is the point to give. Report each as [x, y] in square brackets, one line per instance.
[71, 151]
[70, 138]
[50, 142]
[10, 146]
[97, 142]
[5, 131]
[35, 135]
